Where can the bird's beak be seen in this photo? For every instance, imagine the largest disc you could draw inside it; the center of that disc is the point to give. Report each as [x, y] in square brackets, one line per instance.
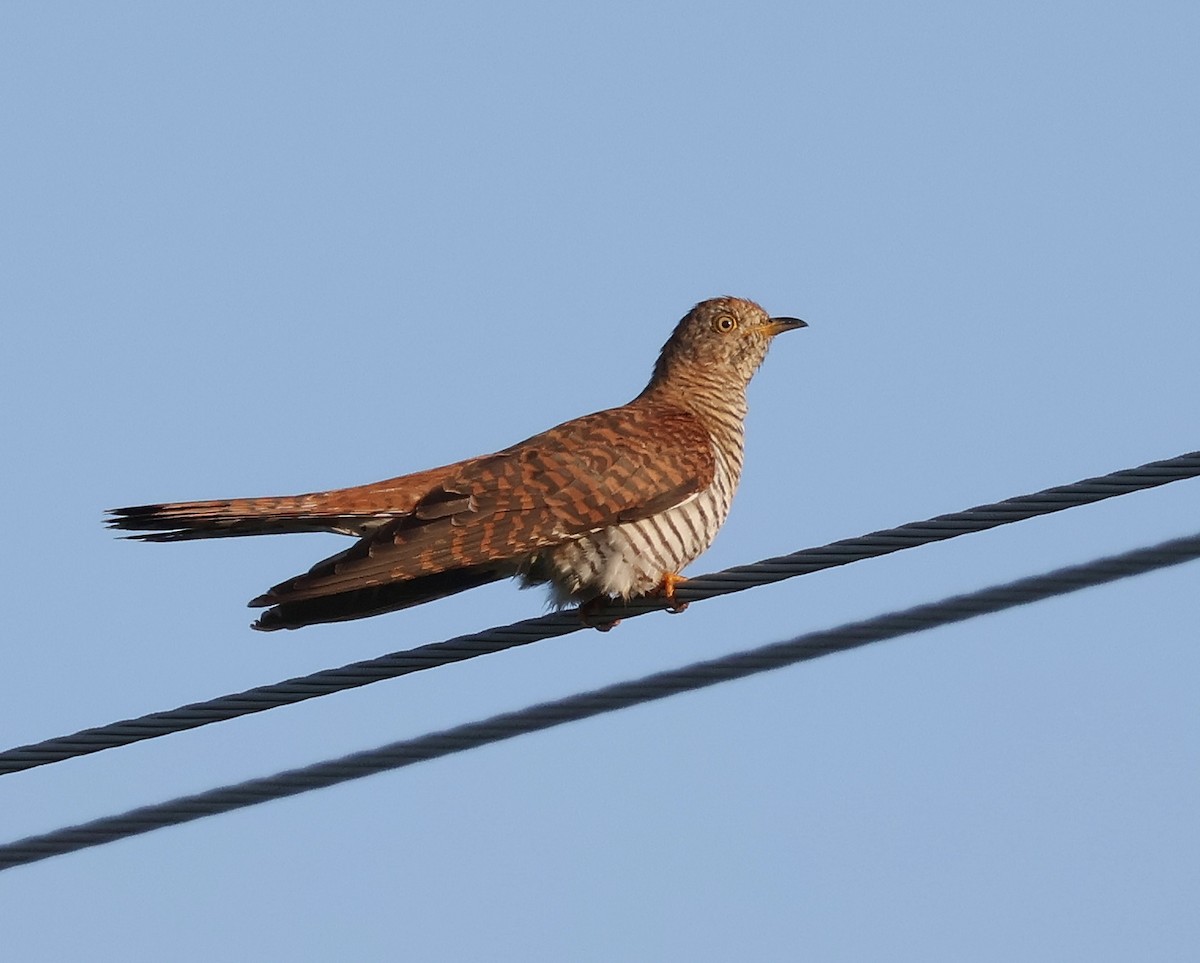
[776, 326]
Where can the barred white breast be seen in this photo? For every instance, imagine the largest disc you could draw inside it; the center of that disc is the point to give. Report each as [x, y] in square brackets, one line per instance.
[632, 558]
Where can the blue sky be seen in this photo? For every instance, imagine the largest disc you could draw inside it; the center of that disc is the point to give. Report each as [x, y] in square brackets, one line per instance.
[260, 248]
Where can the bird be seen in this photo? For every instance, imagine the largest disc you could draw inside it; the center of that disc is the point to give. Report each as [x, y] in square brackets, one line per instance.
[612, 505]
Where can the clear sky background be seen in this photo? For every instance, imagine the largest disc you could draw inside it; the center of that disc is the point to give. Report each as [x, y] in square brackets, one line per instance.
[256, 248]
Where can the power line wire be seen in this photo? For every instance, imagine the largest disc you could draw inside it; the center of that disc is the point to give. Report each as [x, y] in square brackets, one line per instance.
[464, 647]
[598, 701]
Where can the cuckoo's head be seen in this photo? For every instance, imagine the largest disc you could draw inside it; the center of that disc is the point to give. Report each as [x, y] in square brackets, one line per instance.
[725, 337]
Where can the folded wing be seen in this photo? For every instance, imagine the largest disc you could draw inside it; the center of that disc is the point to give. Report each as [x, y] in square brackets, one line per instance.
[480, 521]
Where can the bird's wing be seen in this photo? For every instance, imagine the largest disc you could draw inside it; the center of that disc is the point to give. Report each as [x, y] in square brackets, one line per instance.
[613, 466]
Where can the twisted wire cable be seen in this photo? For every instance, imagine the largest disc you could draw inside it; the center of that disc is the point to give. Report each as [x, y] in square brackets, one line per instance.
[598, 701]
[730, 580]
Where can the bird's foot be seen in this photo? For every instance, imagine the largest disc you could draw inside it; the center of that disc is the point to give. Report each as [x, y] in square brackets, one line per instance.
[589, 614]
[666, 589]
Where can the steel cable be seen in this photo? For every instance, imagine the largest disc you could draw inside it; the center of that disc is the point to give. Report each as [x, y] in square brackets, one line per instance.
[608, 699]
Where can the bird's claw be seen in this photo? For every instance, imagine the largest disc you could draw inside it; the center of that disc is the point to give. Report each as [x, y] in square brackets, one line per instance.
[589, 614]
[666, 589]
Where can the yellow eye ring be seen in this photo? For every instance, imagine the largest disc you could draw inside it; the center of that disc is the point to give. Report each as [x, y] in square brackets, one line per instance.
[724, 323]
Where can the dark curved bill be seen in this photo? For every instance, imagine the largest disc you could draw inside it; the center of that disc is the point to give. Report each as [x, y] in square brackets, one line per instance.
[779, 325]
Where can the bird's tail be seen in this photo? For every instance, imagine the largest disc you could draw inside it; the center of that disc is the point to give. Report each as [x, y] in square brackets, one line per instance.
[346, 511]
[178, 521]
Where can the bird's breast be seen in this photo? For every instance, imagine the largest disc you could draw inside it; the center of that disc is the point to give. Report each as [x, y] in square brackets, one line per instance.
[631, 558]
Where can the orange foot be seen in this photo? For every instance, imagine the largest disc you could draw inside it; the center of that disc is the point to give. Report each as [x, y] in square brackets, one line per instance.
[588, 614]
[666, 588]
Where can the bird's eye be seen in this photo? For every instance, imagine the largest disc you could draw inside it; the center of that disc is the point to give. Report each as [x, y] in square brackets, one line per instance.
[724, 323]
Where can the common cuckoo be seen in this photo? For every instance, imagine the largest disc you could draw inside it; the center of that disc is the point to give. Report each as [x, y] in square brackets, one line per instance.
[610, 505]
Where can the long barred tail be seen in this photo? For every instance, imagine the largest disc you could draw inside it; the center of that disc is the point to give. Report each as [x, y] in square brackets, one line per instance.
[181, 521]
[346, 511]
